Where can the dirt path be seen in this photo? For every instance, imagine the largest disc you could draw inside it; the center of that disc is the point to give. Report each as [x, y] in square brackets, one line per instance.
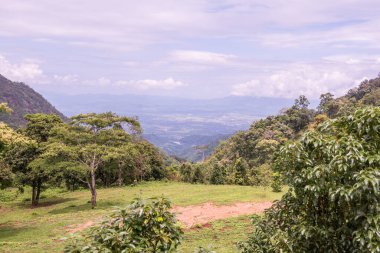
[193, 215]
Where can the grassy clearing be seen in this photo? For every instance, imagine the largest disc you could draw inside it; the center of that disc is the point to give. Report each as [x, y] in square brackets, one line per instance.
[26, 229]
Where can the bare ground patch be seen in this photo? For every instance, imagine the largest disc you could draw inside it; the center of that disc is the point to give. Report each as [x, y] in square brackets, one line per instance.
[202, 214]
[195, 215]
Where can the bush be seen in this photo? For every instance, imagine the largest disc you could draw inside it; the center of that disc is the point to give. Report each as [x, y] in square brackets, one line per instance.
[144, 226]
[276, 183]
[218, 174]
[186, 171]
[8, 195]
[198, 175]
[333, 203]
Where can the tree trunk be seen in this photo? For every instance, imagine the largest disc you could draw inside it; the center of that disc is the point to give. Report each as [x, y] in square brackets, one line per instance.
[39, 183]
[93, 188]
[34, 193]
[120, 175]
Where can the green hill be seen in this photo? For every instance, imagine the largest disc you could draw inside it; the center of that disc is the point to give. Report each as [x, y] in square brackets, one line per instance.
[23, 100]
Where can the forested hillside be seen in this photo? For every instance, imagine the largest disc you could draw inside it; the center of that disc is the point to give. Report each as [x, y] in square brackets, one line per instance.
[245, 158]
[23, 100]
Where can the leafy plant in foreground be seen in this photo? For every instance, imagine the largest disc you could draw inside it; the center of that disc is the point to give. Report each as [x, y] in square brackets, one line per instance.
[144, 226]
[333, 204]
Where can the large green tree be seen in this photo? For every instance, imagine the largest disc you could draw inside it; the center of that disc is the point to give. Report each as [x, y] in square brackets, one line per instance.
[333, 203]
[89, 141]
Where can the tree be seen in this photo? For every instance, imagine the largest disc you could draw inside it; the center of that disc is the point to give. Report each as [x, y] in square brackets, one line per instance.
[198, 175]
[90, 140]
[186, 171]
[144, 226]
[24, 158]
[5, 109]
[301, 102]
[241, 172]
[328, 105]
[8, 140]
[333, 203]
[218, 174]
[299, 116]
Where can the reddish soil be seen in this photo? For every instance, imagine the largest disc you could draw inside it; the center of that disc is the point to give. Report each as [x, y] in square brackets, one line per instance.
[194, 215]
[198, 216]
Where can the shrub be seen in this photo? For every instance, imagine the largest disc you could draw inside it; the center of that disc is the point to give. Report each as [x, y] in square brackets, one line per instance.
[144, 226]
[276, 183]
[198, 175]
[333, 203]
[218, 174]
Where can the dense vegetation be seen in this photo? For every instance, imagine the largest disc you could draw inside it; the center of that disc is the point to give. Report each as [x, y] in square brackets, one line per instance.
[333, 204]
[89, 150]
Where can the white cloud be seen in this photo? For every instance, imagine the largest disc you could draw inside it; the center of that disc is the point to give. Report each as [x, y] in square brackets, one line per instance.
[128, 25]
[26, 70]
[299, 79]
[201, 57]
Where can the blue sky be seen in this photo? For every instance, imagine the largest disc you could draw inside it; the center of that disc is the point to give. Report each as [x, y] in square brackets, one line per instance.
[203, 49]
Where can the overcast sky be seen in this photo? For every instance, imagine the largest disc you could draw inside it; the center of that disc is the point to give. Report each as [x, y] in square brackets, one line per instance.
[206, 49]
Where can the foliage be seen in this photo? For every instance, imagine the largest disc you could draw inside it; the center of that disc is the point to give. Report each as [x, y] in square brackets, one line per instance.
[218, 174]
[24, 157]
[333, 204]
[186, 171]
[276, 183]
[241, 170]
[198, 175]
[255, 147]
[4, 108]
[88, 142]
[144, 226]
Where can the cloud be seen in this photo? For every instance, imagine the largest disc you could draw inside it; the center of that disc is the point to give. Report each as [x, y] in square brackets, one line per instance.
[26, 70]
[201, 57]
[300, 79]
[353, 59]
[125, 25]
[165, 84]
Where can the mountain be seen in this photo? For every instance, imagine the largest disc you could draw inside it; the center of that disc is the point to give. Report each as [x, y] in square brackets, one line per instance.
[177, 125]
[23, 100]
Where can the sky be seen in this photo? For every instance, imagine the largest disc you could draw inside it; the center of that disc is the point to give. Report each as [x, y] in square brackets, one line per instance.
[191, 48]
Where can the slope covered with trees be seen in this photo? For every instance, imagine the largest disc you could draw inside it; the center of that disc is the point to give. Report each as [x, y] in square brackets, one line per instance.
[246, 157]
[23, 100]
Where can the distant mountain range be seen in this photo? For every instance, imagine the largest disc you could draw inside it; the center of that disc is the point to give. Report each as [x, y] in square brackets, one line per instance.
[177, 125]
[23, 100]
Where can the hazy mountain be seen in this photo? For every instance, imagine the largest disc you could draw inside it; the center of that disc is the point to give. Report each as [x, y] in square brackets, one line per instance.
[23, 100]
[177, 125]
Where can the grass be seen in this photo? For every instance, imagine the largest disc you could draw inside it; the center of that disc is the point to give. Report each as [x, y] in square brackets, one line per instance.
[220, 236]
[26, 229]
